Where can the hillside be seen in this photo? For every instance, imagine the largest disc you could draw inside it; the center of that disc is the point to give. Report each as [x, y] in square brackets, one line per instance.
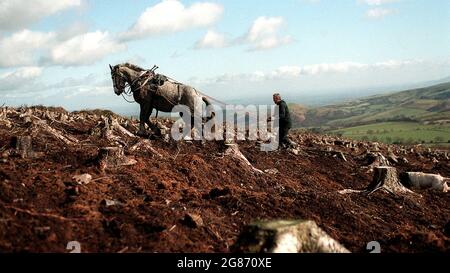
[143, 200]
[416, 116]
[424, 105]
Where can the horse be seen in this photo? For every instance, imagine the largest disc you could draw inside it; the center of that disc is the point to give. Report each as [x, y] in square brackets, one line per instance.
[162, 96]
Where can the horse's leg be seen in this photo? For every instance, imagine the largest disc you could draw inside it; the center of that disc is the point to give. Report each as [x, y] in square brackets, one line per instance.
[147, 118]
[145, 107]
[196, 126]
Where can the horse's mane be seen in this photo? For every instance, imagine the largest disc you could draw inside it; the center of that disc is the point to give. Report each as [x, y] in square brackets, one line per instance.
[133, 66]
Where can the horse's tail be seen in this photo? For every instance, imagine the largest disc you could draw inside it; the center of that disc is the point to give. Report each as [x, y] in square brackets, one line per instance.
[208, 103]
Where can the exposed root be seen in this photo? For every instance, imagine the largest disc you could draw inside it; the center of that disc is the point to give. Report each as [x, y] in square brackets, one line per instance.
[47, 215]
[144, 145]
[42, 125]
[234, 152]
[115, 125]
[110, 126]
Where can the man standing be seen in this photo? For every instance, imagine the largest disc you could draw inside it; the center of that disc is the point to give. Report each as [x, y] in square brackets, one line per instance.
[285, 122]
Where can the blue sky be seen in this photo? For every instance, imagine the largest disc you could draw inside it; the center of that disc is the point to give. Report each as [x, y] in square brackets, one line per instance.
[57, 52]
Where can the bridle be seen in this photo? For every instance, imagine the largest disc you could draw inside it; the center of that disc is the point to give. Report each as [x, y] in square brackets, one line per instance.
[127, 88]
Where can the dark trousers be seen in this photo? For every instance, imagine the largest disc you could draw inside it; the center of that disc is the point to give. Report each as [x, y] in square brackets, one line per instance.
[283, 136]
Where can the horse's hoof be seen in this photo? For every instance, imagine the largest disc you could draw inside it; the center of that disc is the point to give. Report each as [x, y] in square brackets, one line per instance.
[142, 134]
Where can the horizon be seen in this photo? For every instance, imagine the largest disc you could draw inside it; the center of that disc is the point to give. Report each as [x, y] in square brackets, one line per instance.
[313, 52]
[310, 102]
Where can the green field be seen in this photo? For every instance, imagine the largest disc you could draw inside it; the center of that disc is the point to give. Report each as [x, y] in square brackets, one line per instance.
[413, 116]
[399, 132]
[422, 105]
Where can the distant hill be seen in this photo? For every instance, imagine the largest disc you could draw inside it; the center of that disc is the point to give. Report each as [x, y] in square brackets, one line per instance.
[424, 105]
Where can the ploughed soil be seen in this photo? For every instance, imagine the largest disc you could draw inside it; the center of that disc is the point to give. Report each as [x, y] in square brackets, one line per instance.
[42, 208]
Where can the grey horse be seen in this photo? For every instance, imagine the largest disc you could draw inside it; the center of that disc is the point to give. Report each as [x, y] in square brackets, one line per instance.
[163, 96]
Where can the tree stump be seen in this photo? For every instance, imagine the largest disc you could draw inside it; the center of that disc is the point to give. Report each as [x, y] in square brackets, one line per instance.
[298, 236]
[386, 178]
[23, 145]
[109, 157]
[107, 131]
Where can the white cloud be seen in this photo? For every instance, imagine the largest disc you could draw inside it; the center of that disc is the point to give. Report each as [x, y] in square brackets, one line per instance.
[212, 39]
[91, 84]
[19, 78]
[377, 2]
[171, 16]
[287, 71]
[19, 48]
[27, 48]
[24, 83]
[15, 14]
[296, 71]
[90, 90]
[85, 49]
[378, 13]
[264, 33]
[390, 64]
[74, 82]
[315, 69]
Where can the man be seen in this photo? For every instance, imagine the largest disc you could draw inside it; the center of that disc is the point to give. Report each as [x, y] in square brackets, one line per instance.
[285, 122]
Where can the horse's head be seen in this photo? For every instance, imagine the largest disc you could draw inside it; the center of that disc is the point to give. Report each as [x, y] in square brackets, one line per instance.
[119, 79]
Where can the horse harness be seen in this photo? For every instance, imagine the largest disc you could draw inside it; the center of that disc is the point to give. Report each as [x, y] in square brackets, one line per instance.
[154, 81]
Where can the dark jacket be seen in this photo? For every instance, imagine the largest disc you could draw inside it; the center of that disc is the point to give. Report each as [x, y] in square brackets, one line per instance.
[285, 116]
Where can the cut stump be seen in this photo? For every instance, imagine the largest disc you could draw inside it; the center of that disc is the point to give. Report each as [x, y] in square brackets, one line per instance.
[386, 178]
[109, 157]
[297, 236]
[24, 147]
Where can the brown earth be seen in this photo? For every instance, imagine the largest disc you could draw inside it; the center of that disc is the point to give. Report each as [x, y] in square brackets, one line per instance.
[42, 208]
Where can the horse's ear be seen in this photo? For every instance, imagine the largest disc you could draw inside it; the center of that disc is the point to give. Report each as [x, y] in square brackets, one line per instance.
[110, 67]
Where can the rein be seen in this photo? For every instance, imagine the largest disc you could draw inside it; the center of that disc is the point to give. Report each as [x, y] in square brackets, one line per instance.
[126, 99]
[129, 91]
